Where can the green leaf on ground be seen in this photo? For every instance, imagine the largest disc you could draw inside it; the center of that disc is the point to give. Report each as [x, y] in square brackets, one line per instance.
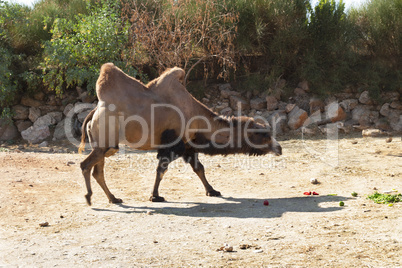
[385, 198]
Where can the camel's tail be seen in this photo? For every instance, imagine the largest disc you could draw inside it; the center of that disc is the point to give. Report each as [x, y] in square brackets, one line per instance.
[84, 130]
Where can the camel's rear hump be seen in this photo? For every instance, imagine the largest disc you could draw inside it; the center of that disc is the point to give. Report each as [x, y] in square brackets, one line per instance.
[164, 81]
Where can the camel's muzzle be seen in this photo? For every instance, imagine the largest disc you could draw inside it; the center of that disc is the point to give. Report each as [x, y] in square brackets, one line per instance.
[276, 147]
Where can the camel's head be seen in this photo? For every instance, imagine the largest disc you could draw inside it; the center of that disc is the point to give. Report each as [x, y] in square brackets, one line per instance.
[260, 139]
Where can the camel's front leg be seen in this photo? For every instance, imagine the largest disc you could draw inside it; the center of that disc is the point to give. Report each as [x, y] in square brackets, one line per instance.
[165, 156]
[199, 170]
[160, 171]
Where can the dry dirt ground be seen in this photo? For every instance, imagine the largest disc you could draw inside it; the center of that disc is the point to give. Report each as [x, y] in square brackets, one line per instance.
[46, 185]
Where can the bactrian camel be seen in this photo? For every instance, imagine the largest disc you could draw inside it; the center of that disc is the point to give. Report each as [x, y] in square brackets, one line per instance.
[162, 116]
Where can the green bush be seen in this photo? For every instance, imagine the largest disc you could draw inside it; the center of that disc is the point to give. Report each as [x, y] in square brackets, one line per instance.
[60, 44]
[7, 86]
[26, 26]
[12, 17]
[380, 23]
[77, 50]
[288, 40]
[22, 34]
[329, 59]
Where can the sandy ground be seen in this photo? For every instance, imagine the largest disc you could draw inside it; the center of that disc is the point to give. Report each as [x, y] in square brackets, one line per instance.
[46, 185]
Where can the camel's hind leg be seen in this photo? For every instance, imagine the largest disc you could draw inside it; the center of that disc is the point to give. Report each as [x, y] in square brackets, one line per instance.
[99, 175]
[96, 159]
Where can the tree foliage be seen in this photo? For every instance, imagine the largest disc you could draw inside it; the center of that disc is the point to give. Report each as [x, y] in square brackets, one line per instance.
[328, 60]
[78, 48]
[379, 26]
[61, 44]
[7, 87]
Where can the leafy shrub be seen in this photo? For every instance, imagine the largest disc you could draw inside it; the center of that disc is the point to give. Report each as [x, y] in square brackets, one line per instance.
[6, 116]
[270, 39]
[12, 16]
[288, 39]
[27, 28]
[7, 86]
[60, 44]
[22, 34]
[329, 59]
[379, 23]
[77, 50]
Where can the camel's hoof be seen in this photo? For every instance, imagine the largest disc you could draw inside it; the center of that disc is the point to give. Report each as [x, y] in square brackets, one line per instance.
[213, 193]
[157, 199]
[116, 201]
[88, 198]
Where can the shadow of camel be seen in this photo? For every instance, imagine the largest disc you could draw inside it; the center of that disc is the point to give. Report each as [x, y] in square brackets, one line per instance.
[239, 207]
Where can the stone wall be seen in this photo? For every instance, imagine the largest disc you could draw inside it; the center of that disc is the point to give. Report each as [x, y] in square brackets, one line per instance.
[45, 116]
[350, 111]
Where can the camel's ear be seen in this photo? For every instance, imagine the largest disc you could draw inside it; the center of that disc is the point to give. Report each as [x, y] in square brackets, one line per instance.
[265, 129]
[260, 137]
[260, 124]
[267, 136]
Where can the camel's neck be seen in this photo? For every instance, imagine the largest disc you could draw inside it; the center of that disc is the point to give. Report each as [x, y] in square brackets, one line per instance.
[222, 135]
